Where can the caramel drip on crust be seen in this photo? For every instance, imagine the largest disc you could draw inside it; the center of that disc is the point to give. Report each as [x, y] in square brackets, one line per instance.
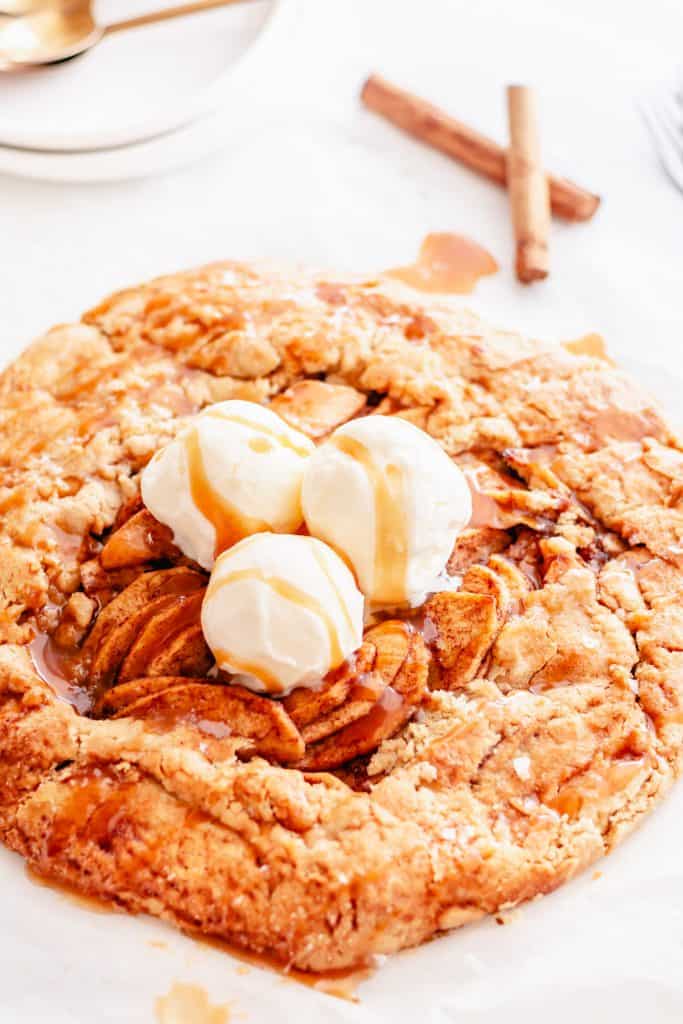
[276, 435]
[229, 524]
[290, 593]
[391, 531]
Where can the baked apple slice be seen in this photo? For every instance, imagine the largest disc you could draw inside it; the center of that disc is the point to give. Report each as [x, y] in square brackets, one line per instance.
[152, 641]
[222, 712]
[142, 538]
[399, 676]
[316, 408]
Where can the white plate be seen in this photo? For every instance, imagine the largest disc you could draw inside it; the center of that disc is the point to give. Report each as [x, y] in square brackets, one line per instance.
[167, 152]
[132, 85]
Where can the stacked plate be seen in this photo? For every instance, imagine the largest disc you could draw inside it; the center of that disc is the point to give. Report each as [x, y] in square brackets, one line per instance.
[140, 102]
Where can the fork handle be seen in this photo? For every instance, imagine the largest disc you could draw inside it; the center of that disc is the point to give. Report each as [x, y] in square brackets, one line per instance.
[169, 12]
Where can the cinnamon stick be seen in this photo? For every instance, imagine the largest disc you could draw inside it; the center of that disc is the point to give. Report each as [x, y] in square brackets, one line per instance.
[527, 187]
[434, 126]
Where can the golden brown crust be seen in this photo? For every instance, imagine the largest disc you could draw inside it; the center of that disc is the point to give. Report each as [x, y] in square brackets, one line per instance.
[555, 717]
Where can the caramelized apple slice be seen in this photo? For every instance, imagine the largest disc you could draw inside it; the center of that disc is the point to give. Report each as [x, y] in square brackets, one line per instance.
[142, 538]
[476, 545]
[121, 696]
[466, 626]
[128, 510]
[187, 654]
[393, 641]
[307, 705]
[363, 695]
[157, 633]
[480, 579]
[517, 583]
[223, 712]
[402, 665]
[107, 658]
[411, 679]
[104, 585]
[141, 592]
[316, 408]
[362, 736]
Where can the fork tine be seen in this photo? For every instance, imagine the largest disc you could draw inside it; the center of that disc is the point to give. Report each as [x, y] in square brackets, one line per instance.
[668, 144]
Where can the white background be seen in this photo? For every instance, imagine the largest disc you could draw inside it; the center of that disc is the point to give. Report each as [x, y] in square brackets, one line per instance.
[306, 176]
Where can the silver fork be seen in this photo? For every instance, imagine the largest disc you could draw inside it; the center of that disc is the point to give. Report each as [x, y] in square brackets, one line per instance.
[663, 116]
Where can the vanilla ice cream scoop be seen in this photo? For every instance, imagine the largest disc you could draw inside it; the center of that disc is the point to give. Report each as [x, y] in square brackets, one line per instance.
[235, 471]
[386, 496]
[281, 612]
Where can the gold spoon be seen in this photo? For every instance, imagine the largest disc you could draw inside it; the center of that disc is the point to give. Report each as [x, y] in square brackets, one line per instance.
[66, 28]
[18, 6]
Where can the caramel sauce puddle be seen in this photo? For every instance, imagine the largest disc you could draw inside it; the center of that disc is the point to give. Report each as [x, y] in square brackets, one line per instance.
[447, 264]
[94, 904]
[341, 983]
[189, 1004]
[60, 669]
[486, 511]
[592, 345]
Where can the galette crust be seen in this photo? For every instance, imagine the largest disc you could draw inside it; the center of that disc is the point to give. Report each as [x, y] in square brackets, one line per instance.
[554, 720]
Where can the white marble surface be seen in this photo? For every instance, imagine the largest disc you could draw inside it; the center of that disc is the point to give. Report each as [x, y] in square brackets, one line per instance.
[307, 176]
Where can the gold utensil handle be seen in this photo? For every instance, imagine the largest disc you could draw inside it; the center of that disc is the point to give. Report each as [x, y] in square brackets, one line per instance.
[169, 12]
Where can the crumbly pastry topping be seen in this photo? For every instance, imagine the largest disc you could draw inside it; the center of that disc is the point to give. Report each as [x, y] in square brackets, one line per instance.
[473, 753]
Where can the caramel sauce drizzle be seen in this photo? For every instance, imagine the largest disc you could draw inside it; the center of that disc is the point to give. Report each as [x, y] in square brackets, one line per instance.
[248, 668]
[83, 376]
[324, 568]
[96, 807]
[447, 263]
[391, 532]
[229, 524]
[259, 428]
[261, 445]
[290, 593]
